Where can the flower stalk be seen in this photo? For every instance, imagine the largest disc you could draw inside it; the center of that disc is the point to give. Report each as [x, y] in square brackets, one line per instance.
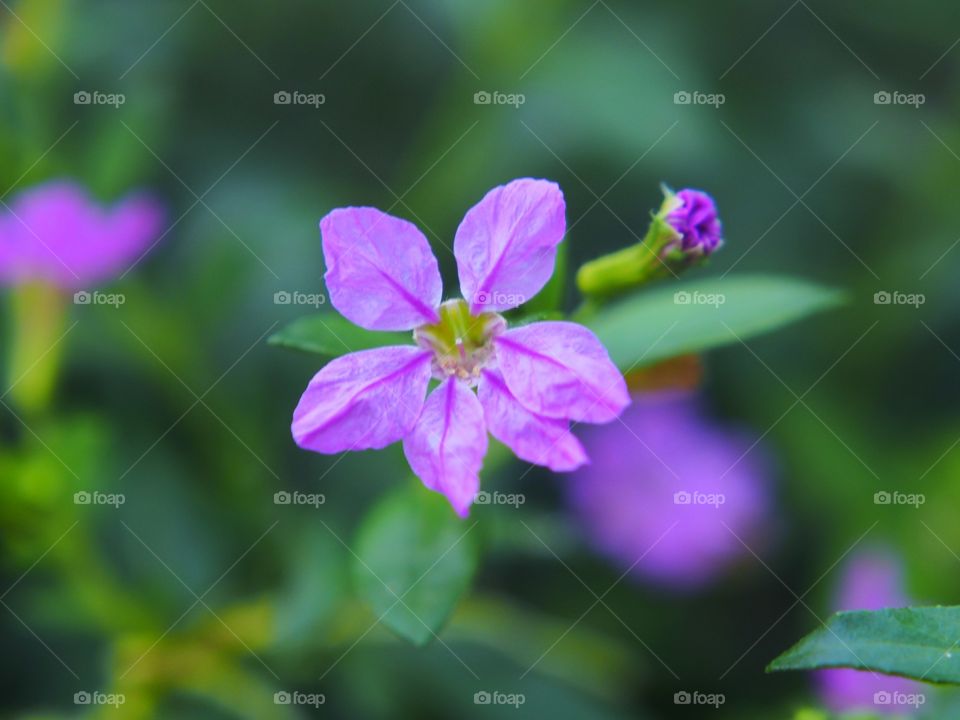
[38, 315]
[623, 270]
[682, 233]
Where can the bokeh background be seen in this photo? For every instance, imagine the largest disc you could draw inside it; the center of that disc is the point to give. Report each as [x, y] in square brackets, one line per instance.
[176, 400]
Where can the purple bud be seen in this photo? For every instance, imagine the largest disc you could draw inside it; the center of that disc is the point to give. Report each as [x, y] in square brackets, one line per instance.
[694, 216]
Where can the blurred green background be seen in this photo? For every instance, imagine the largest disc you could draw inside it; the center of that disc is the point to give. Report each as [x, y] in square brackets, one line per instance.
[176, 401]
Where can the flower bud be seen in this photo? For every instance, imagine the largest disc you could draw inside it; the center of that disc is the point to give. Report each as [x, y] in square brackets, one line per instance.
[682, 233]
[693, 215]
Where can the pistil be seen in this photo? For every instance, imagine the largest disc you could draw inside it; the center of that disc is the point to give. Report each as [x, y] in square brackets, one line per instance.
[462, 343]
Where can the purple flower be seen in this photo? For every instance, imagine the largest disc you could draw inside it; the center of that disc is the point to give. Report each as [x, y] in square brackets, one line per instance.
[872, 580]
[531, 381]
[57, 233]
[670, 495]
[693, 215]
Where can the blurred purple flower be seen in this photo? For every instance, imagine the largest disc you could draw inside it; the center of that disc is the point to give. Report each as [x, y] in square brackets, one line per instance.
[872, 580]
[693, 215]
[667, 466]
[57, 233]
[531, 381]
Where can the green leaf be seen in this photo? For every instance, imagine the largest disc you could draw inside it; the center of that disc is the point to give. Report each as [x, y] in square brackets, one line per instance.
[332, 335]
[415, 559]
[676, 319]
[644, 329]
[919, 643]
[314, 588]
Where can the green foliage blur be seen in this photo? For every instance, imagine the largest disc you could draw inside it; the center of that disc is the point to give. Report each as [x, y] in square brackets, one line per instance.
[200, 597]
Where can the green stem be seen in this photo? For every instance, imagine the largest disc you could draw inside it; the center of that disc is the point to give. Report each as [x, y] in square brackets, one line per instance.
[38, 317]
[626, 269]
[616, 272]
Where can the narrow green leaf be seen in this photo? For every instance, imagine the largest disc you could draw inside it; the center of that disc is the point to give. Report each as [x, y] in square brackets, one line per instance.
[920, 643]
[644, 329]
[676, 319]
[415, 560]
[332, 335]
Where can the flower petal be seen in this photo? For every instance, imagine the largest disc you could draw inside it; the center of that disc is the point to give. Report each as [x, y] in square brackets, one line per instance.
[506, 245]
[381, 273]
[447, 446]
[363, 400]
[561, 370]
[130, 228]
[56, 232]
[534, 438]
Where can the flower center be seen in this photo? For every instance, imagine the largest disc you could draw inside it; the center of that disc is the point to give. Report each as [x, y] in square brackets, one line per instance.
[462, 344]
